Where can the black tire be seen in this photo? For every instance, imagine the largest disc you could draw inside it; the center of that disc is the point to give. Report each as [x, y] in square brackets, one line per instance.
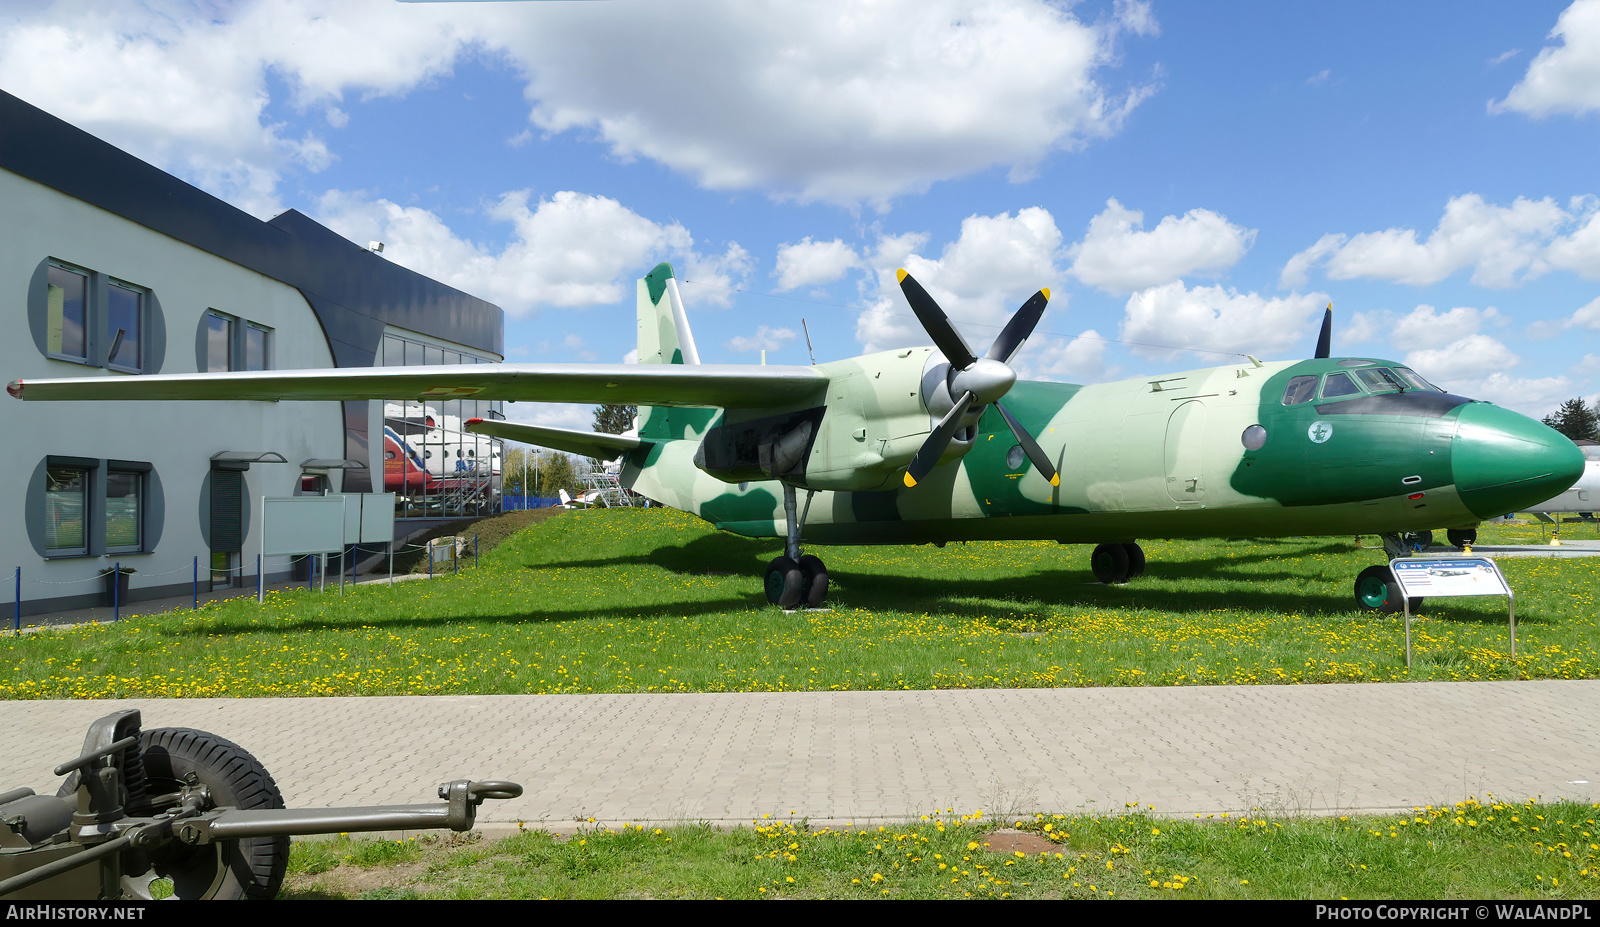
[1461, 537]
[1135, 561]
[813, 581]
[1418, 541]
[1110, 563]
[782, 582]
[251, 868]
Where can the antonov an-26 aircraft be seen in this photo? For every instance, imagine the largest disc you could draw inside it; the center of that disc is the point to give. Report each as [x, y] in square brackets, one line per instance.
[914, 446]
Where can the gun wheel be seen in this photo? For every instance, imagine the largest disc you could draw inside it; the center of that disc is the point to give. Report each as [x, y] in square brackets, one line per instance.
[229, 870]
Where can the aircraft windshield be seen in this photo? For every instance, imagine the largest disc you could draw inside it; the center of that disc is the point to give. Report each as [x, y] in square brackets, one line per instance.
[1416, 382]
[1335, 385]
[1381, 380]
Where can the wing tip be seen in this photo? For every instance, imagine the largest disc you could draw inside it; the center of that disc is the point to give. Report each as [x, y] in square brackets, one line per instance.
[15, 388]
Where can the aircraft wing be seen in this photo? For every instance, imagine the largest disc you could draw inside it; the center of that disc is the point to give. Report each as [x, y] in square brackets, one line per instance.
[586, 443]
[745, 386]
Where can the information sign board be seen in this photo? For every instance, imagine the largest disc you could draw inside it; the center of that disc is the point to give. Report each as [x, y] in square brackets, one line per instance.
[1423, 577]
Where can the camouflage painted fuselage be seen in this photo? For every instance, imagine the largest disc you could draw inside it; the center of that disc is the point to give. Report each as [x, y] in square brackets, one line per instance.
[1207, 453]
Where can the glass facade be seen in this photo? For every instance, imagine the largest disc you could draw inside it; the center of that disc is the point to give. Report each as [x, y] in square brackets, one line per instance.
[430, 462]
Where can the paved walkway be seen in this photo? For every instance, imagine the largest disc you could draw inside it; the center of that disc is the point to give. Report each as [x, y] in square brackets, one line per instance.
[867, 756]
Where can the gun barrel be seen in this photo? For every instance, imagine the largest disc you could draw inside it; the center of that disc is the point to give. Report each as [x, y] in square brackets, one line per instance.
[234, 825]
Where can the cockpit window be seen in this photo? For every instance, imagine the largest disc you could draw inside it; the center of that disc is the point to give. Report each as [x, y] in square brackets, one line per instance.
[1300, 389]
[1380, 380]
[1410, 376]
[1335, 385]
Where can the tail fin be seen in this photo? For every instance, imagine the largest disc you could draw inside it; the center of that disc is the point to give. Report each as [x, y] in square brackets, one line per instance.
[664, 338]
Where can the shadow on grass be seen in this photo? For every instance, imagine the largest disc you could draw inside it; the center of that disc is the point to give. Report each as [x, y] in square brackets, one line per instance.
[1011, 602]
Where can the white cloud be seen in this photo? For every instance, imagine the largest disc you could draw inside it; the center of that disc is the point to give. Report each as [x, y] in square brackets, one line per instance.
[979, 279]
[1466, 359]
[1425, 327]
[1562, 78]
[720, 273]
[572, 249]
[1117, 255]
[1505, 245]
[1080, 359]
[765, 339]
[183, 85]
[1321, 77]
[813, 262]
[822, 101]
[1534, 397]
[551, 414]
[1166, 320]
[806, 99]
[1588, 316]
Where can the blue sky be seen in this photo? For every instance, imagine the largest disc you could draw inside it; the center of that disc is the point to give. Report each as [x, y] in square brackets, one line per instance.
[1191, 181]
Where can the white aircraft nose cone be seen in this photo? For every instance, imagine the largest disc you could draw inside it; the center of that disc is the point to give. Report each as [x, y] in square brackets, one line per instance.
[987, 380]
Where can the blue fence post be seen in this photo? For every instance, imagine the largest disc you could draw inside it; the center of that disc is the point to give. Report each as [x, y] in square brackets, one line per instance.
[17, 611]
[116, 592]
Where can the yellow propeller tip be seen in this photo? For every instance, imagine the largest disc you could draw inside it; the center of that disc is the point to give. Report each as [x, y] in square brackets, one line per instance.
[1055, 480]
[1046, 292]
[910, 481]
[901, 275]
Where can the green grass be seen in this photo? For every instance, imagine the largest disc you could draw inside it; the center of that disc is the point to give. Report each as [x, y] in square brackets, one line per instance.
[654, 600]
[1472, 850]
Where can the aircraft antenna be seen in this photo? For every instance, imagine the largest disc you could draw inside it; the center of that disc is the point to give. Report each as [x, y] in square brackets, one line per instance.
[808, 341]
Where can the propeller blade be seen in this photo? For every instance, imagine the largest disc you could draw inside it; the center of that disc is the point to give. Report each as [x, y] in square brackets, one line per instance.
[938, 440]
[936, 323]
[1030, 447]
[1325, 340]
[1019, 327]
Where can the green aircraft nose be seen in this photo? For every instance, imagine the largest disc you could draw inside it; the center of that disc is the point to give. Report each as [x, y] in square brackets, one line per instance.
[1503, 461]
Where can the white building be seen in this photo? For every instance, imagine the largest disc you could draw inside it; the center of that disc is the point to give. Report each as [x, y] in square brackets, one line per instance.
[110, 266]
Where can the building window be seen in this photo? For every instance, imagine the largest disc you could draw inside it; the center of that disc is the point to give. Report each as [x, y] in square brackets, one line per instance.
[235, 344]
[124, 325]
[67, 313]
[66, 509]
[88, 317]
[124, 510]
[219, 341]
[255, 346]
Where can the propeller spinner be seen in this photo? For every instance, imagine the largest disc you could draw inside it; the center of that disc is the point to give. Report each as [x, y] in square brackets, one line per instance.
[976, 381]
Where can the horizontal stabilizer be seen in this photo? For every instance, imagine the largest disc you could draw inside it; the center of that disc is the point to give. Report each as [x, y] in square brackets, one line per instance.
[745, 386]
[595, 444]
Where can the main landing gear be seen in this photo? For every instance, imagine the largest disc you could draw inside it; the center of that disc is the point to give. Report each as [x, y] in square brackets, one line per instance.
[795, 580]
[1376, 588]
[1115, 564]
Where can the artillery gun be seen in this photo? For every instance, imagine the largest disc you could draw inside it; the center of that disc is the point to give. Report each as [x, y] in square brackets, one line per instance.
[180, 813]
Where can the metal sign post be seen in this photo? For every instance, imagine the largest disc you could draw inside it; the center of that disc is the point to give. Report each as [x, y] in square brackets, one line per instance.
[1451, 576]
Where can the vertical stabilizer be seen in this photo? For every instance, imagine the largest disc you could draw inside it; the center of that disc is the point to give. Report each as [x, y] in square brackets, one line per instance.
[664, 336]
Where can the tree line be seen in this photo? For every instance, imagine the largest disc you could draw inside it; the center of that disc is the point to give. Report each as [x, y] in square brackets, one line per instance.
[1577, 420]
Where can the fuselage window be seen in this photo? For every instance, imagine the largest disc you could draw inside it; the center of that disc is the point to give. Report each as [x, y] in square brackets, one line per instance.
[1335, 385]
[1300, 389]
